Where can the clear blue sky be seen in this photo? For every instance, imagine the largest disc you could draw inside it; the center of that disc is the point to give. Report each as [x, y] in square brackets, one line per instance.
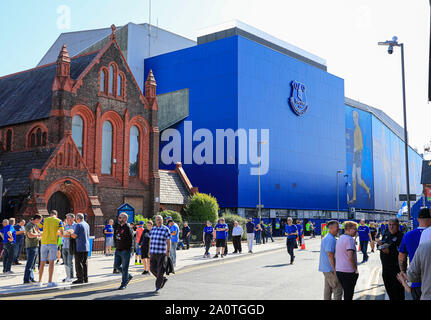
[345, 33]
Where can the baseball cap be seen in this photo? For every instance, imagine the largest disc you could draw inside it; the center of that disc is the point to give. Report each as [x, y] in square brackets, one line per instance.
[141, 222]
[424, 213]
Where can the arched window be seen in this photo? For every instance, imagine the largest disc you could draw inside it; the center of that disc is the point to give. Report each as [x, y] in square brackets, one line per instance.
[32, 140]
[107, 148]
[119, 85]
[134, 151]
[111, 79]
[38, 137]
[9, 140]
[44, 138]
[78, 132]
[103, 81]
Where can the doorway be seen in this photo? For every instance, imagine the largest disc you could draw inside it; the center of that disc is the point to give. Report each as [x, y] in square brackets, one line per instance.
[60, 202]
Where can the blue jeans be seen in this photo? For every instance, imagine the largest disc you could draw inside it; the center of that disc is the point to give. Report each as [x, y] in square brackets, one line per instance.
[121, 263]
[68, 262]
[29, 266]
[173, 252]
[364, 249]
[18, 249]
[257, 237]
[9, 250]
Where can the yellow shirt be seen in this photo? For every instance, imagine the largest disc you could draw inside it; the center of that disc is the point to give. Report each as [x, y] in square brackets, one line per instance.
[358, 143]
[51, 226]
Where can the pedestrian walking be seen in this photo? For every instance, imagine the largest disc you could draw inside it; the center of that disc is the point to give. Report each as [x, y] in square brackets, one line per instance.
[364, 237]
[81, 234]
[52, 227]
[262, 231]
[408, 247]
[346, 262]
[20, 235]
[69, 229]
[32, 236]
[144, 243]
[237, 232]
[123, 237]
[250, 228]
[221, 228]
[174, 230]
[187, 231]
[420, 269]
[109, 237]
[373, 232]
[208, 236]
[291, 232]
[327, 263]
[388, 247]
[138, 235]
[299, 227]
[9, 245]
[269, 232]
[160, 245]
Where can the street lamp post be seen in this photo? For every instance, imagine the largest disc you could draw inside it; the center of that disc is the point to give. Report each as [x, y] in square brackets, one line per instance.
[260, 205]
[338, 193]
[391, 44]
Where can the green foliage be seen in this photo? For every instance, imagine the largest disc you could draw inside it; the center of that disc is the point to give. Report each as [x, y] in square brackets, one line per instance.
[139, 218]
[176, 216]
[230, 218]
[202, 207]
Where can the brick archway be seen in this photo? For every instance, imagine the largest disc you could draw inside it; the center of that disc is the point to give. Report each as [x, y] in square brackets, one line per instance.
[74, 191]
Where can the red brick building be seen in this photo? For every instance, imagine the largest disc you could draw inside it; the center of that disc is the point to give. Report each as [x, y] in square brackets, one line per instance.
[78, 135]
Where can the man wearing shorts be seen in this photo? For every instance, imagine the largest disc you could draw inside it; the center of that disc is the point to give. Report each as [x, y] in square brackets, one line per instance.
[48, 251]
[221, 231]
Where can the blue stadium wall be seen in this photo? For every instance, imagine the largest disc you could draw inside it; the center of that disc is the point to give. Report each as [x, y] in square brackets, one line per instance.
[305, 151]
[237, 83]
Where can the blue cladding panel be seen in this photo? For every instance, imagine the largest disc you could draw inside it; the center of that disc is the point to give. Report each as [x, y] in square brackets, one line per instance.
[210, 73]
[306, 151]
[359, 157]
[390, 166]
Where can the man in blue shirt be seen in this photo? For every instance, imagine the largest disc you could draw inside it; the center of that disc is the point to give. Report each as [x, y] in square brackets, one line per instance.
[291, 232]
[221, 230]
[408, 246]
[82, 236]
[174, 230]
[9, 243]
[364, 238]
[207, 238]
[327, 263]
[250, 234]
[20, 234]
[299, 227]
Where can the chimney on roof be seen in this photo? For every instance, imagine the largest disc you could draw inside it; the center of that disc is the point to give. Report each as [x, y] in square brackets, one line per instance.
[62, 79]
[113, 28]
[150, 87]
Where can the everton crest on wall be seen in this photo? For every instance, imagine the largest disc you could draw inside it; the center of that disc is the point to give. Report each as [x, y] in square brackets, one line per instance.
[298, 99]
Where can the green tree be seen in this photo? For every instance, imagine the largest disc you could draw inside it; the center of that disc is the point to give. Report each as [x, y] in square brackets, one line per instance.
[202, 207]
[176, 216]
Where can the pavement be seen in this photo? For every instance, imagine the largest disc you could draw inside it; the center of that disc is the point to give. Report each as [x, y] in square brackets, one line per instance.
[265, 274]
[100, 268]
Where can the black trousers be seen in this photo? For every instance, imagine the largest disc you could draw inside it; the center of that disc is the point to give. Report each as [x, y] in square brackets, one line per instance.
[81, 266]
[394, 289]
[348, 282]
[237, 243]
[157, 268]
[416, 293]
[290, 243]
[186, 241]
[364, 249]
[208, 241]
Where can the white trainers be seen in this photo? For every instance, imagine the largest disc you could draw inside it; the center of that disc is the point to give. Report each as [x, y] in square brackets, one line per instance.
[40, 284]
[52, 285]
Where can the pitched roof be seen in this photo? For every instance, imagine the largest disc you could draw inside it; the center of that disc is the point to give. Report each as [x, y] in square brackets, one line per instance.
[15, 168]
[172, 188]
[26, 96]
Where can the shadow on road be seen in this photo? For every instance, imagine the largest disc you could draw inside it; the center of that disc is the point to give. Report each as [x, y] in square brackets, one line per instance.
[277, 265]
[129, 296]
[79, 294]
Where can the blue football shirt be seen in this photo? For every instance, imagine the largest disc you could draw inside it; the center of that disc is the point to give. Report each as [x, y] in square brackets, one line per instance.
[291, 229]
[409, 245]
[363, 232]
[221, 234]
